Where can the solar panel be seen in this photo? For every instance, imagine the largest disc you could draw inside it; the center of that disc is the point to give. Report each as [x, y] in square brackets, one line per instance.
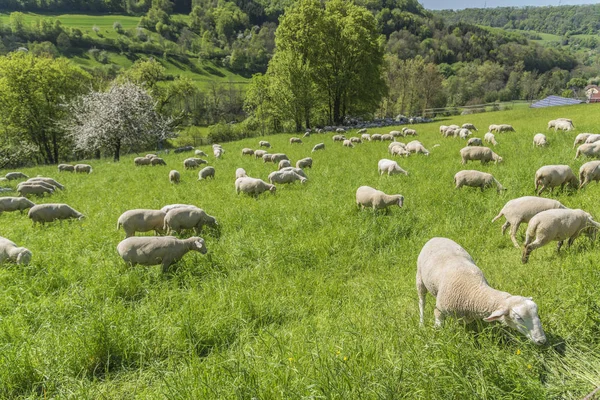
[551, 101]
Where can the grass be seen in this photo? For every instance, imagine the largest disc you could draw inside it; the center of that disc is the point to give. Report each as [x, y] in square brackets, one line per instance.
[302, 295]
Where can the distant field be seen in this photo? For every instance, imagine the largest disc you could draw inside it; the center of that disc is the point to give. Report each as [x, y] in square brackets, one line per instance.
[301, 295]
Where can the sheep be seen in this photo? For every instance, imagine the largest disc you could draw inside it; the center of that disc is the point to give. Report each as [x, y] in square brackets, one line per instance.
[408, 132]
[191, 163]
[474, 142]
[389, 166]
[394, 144]
[267, 157]
[183, 149]
[66, 167]
[218, 152]
[443, 129]
[355, 139]
[275, 158]
[259, 153]
[522, 209]
[581, 138]
[247, 152]
[318, 146]
[340, 130]
[306, 135]
[552, 123]
[563, 126]
[86, 168]
[240, 173]
[49, 181]
[469, 126]
[451, 132]
[141, 220]
[43, 184]
[158, 250]
[174, 176]
[11, 176]
[478, 179]
[348, 143]
[490, 138]
[592, 138]
[387, 137]
[9, 251]
[299, 171]
[295, 140]
[550, 176]
[399, 151]
[367, 196]
[589, 172]
[338, 138]
[361, 131]
[151, 156]
[588, 150]
[558, 225]
[8, 204]
[42, 213]
[464, 133]
[157, 161]
[170, 207]
[200, 153]
[284, 164]
[264, 143]
[481, 153]
[34, 189]
[285, 177]
[319, 130]
[366, 137]
[376, 137]
[183, 218]
[416, 147]
[449, 273]
[206, 172]
[396, 133]
[304, 163]
[253, 186]
[501, 128]
[142, 161]
[540, 140]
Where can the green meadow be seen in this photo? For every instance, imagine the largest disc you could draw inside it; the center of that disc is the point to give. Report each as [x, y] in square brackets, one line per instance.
[301, 295]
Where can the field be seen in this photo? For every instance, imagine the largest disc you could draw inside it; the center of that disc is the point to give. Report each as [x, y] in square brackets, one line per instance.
[301, 295]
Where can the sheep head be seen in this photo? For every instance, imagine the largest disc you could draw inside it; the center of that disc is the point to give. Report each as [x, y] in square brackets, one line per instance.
[520, 313]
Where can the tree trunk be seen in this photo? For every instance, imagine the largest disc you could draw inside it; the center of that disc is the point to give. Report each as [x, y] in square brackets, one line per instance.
[336, 110]
[55, 148]
[117, 151]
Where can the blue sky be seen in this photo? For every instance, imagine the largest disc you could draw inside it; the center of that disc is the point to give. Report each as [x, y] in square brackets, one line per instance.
[459, 4]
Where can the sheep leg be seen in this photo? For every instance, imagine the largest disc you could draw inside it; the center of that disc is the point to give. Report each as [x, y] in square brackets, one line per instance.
[559, 245]
[422, 292]
[439, 318]
[513, 234]
[505, 227]
[529, 248]
[166, 262]
[541, 190]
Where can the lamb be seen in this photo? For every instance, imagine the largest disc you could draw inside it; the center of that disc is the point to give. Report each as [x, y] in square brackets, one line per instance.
[49, 181]
[366, 137]
[259, 153]
[247, 152]
[476, 179]
[86, 168]
[158, 250]
[42, 213]
[588, 150]
[12, 176]
[174, 176]
[253, 186]
[66, 167]
[522, 209]
[206, 172]
[318, 146]
[589, 172]
[8, 204]
[304, 163]
[409, 132]
[376, 137]
[240, 173]
[389, 166]
[416, 147]
[170, 207]
[355, 139]
[540, 140]
[469, 126]
[563, 125]
[295, 140]
[195, 218]
[550, 176]
[275, 158]
[581, 138]
[264, 143]
[592, 138]
[267, 157]
[9, 251]
[34, 189]
[449, 273]
[387, 137]
[142, 161]
[474, 142]
[200, 153]
[367, 196]
[338, 138]
[141, 220]
[299, 171]
[348, 143]
[558, 224]
[157, 161]
[285, 177]
[284, 164]
[396, 133]
[490, 138]
[481, 153]
[464, 133]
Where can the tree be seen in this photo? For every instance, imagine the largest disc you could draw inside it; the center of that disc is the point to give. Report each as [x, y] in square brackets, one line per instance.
[122, 116]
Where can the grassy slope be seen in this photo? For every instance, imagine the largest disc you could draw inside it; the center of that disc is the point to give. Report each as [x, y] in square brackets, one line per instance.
[302, 295]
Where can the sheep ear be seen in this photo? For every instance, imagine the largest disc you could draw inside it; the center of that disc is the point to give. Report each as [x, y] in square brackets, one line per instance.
[496, 315]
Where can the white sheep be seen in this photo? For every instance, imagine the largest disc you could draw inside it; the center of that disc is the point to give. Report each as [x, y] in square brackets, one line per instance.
[151, 156]
[558, 225]
[449, 273]
[206, 172]
[141, 220]
[338, 138]
[451, 132]
[522, 209]
[304, 163]
[9, 204]
[264, 143]
[299, 171]
[408, 132]
[389, 166]
[367, 196]
[153, 250]
[180, 219]
[387, 137]
[443, 129]
[551, 176]
[464, 133]
[474, 142]
[45, 185]
[340, 130]
[247, 152]
[36, 189]
[366, 137]
[295, 140]
[355, 139]
[399, 151]
[348, 143]
[174, 176]
[275, 158]
[259, 153]
[284, 164]
[394, 144]
[200, 153]
[376, 137]
[218, 152]
[540, 140]
[11, 176]
[66, 167]
[501, 128]
[191, 163]
[267, 157]
[563, 125]
[306, 134]
[84, 168]
[287, 176]
[240, 173]
[481, 153]
[170, 207]
[42, 213]
[416, 147]
[588, 150]
[142, 161]
[361, 131]
[592, 138]
[478, 179]
[581, 138]
[589, 172]
[552, 123]
[490, 138]
[469, 126]
[48, 181]
[9, 251]
[154, 161]
[253, 186]
[396, 133]
[318, 146]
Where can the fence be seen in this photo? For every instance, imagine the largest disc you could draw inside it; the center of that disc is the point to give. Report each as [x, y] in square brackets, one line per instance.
[474, 108]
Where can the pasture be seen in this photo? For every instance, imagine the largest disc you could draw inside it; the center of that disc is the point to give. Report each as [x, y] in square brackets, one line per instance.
[302, 295]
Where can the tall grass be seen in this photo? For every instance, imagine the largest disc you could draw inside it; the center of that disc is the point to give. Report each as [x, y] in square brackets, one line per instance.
[301, 295]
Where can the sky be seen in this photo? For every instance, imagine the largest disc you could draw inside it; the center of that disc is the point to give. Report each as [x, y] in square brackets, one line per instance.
[460, 4]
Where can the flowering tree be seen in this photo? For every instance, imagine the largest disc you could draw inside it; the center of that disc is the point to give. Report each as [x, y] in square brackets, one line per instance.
[122, 116]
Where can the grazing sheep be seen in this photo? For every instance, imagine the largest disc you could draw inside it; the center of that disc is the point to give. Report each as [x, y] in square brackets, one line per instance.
[295, 140]
[299, 171]
[340, 130]
[443, 129]
[183, 218]
[366, 137]
[318, 146]
[338, 138]
[451, 132]
[275, 158]
[592, 138]
[284, 164]
[469, 126]
[206, 172]
[408, 132]
[42, 213]
[481, 153]
[394, 144]
[267, 157]
[501, 128]
[170, 207]
[558, 225]
[399, 150]
[38, 183]
[247, 152]
[589, 172]
[563, 126]
[552, 123]
[287, 176]
[66, 167]
[387, 137]
[9, 251]
[478, 179]
[348, 143]
[218, 152]
[474, 142]
[304, 163]
[464, 133]
[551, 176]
[490, 138]
[449, 273]
[141, 220]
[191, 163]
[240, 173]
[264, 143]
[306, 134]
[416, 147]
[361, 131]
[85, 168]
[174, 176]
[152, 250]
[200, 153]
[588, 150]
[376, 137]
[11, 176]
[259, 153]
[540, 140]
[389, 166]
[319, 130]
[367, 196]
[396, 133]
[158, 161]
[151, 156]
[36, 189]
[522, 209]
[142, 161]
[253, 186]
[49, 181]
[8, 204]
[581, 138]
[355, 139]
